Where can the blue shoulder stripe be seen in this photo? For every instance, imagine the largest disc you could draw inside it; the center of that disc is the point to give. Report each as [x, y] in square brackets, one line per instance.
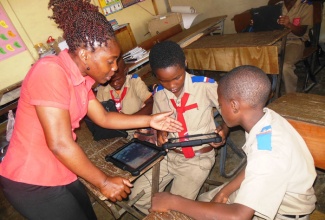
[264, 138]
[158, 88]
[134, 76]
[202, 79]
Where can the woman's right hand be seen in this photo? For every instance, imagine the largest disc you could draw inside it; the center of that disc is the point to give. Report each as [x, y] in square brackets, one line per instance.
[116, 188]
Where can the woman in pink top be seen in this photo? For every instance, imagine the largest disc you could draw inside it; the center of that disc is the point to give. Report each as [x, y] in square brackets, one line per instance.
[39, 172]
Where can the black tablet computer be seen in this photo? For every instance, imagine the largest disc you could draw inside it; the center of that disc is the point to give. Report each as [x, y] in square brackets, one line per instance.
[192, 140]
[135, 156]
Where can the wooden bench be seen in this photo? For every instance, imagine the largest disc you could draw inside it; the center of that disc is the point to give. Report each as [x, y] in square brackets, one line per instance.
[306, 113]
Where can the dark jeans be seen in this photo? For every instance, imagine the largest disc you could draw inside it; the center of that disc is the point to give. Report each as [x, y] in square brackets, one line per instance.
[68, 202]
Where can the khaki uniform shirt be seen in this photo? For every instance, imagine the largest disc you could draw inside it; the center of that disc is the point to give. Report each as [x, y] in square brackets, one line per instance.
[198, 120]
[280, 170]
[299, 14]
[135, 97]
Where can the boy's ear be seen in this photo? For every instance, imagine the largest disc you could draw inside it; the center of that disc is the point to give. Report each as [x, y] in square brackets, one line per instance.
[234, 105]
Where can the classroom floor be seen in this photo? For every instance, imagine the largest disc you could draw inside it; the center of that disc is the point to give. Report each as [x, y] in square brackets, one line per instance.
[7, 212]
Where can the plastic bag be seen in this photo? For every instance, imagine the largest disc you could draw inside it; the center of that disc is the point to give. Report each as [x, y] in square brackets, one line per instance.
[10, 125]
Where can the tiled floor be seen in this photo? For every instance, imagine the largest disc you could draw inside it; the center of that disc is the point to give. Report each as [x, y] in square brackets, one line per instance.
[8, 212]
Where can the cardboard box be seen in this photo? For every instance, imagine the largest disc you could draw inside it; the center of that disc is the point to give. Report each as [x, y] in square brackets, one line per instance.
[163, 22]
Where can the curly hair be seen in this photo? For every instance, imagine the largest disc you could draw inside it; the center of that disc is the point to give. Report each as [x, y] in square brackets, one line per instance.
[82, 24]
[166, 54]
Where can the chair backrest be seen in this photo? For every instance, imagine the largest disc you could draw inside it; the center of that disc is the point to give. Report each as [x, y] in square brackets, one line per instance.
[314, 32]
[242, 21]
[317, 22]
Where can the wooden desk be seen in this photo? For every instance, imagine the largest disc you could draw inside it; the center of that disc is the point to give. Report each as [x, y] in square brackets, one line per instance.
[306, 113]
[171, 215]
[199, 30]
[224, 52]
[96, 152]
[190, 35]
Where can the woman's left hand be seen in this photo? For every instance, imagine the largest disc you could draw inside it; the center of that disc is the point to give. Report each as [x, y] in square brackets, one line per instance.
[163, 122]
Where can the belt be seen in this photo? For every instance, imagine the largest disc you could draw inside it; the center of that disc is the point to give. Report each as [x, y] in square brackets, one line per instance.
[197, 152]
[294, 216]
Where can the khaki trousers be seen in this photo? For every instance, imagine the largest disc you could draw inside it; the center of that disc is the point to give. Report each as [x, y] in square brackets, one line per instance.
[188, 176]
[293, 53]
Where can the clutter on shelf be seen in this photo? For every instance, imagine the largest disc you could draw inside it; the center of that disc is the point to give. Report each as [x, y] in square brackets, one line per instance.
[135, 55]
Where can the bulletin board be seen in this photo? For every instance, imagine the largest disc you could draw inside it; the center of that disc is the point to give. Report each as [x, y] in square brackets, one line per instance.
[110, 6]
[10, 41]
[16, 65]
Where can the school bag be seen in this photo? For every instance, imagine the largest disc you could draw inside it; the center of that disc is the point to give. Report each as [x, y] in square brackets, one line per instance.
[100, 133]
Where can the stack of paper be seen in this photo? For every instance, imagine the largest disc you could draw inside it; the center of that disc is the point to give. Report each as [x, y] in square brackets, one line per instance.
[114, 24]
[135, 55]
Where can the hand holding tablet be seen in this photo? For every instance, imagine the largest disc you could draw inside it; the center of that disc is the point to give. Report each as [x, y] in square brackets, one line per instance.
[136, 155]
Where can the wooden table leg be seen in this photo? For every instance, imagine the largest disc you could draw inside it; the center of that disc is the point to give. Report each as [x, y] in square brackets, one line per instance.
[155, 178]
[281, 61]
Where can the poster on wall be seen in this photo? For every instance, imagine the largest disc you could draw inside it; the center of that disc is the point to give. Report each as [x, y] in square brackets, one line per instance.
[110, 6]
[10, 41]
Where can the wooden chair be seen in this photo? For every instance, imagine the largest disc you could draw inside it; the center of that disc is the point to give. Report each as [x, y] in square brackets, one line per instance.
[242, 21]
[310, 55]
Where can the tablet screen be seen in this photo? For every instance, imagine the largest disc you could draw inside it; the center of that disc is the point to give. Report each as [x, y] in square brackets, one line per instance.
[135, 154]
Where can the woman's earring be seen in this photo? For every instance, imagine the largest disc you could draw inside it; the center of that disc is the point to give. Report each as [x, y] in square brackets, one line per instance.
[87, 66]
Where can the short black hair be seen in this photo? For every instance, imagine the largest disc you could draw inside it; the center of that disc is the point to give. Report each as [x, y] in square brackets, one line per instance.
[248, 83]
[166, 54]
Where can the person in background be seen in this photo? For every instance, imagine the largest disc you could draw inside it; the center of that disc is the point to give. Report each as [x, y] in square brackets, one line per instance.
[131, 96]
[192, 99]
[39, 174]
[277, 182]
[297, 16]
[130, 93]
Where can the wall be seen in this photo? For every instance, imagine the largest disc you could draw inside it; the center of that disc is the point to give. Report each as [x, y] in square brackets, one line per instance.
[34, 15]
[31, 21]
[138, 16]
[211, 8]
